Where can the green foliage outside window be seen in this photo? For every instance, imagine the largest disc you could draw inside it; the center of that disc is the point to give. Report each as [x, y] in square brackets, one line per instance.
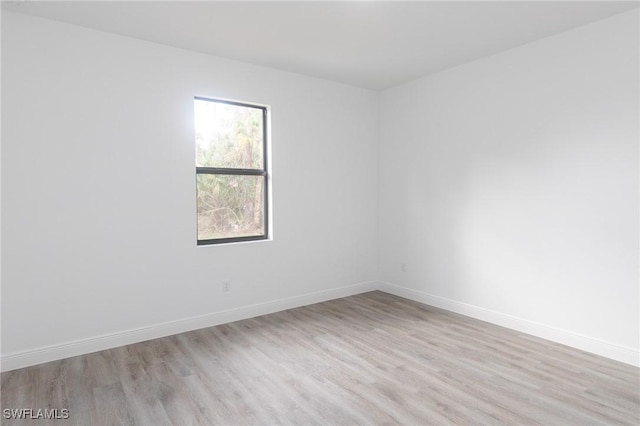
[229, 136]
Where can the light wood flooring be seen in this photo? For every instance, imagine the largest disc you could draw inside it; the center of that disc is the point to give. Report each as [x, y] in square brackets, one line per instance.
[369, 359]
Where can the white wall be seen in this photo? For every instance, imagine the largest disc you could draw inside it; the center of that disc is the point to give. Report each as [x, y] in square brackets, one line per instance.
[98, 187]
[509, 187]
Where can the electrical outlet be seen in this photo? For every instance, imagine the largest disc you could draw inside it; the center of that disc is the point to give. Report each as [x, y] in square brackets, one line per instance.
[226, 286]
[403, 267]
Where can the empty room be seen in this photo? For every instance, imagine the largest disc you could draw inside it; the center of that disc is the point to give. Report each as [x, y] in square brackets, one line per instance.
[320, 213]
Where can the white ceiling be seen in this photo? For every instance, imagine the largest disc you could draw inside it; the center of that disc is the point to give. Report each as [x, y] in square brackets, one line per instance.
[369, 44]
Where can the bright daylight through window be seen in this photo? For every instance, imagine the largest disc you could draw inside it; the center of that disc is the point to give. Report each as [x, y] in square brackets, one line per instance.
[231, 171]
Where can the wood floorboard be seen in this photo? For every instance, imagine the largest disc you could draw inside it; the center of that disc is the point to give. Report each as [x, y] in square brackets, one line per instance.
[370, 359]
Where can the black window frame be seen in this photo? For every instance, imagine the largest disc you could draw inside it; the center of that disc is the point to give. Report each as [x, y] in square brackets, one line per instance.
[264, 172]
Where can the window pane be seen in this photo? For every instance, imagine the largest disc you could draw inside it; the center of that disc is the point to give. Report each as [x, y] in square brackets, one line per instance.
[228, 136]
[230, 206]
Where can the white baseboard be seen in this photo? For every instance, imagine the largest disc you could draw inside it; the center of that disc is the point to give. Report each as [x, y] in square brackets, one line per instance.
[565, 337]
[41, 355]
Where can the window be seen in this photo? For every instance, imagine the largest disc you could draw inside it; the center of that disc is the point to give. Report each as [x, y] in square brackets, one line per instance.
[231, 171]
